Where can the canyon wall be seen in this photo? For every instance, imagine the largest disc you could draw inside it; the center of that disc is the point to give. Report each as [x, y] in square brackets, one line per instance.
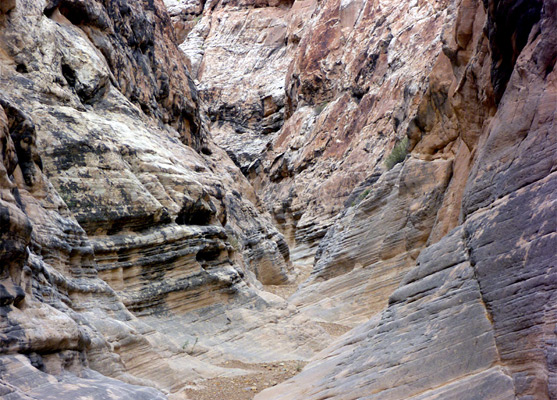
[474, 316]
[318, 95]
[166, 165]
[132, 246]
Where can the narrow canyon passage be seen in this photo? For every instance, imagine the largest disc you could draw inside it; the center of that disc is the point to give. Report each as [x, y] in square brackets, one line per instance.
[278, 199]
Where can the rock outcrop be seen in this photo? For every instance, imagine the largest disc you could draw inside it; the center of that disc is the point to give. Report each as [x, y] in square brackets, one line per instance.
[366, 253]
[474, 317]
[164, 164]
[52, 302]
[131, 244]
[435, 340]
[317, 96]
[244, 102]
[353, 89]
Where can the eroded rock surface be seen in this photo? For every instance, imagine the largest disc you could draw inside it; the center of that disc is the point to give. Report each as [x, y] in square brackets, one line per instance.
[496, 269]
[406, 150]
[353, 88]
[316, 96]
[52, 303]
[239, 53]
[366, 253]
[131, 244]
[434, 340]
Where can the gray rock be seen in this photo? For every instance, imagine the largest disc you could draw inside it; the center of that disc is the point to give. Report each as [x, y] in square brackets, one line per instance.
[19, 380]
[434, 339]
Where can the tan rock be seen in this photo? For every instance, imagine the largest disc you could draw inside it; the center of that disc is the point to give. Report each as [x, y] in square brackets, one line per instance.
[499, 263]
[434, 340]
[133, 247]
[7, 5]
[353, 88]
[244, 102]
[370, 248]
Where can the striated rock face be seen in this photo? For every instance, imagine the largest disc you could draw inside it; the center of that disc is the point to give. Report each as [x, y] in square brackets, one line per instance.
[475, 316]
[353, 89]
[118, 171]
[315, 97]
[126, 233]
[366, 253]
[40, 385]
[52, 303]
[407, 150]
[434, 341]
[135, 40]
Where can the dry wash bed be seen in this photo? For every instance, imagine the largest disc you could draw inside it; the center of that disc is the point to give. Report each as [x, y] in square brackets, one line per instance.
[245, 387]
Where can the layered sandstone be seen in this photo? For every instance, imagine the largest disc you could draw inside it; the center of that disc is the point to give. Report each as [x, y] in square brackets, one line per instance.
[131, 244]
[239, 53]
[473, 317]
[405, 149]
[366, 253]
[353, 89]
[435, 340]
[315, 98]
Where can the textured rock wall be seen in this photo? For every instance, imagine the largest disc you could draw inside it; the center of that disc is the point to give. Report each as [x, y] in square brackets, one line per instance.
[116, 168]
[353, 89]
[366, 253]
[434, 341]
[134, 40]
[133, 248]
[239, 53]
[496, 269]
[53, 304]
[316, 96]
[126, 233]
[347, 86]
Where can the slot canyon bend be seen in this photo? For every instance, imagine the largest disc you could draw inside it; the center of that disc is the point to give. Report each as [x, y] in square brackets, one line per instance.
[278, 199]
